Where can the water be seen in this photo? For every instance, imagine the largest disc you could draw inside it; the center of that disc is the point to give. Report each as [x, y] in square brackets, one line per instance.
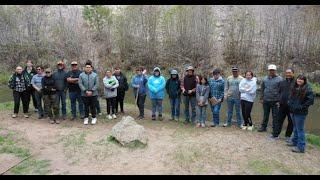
[312, 124]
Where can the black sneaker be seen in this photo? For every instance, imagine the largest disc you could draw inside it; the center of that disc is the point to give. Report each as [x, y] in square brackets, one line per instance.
[291, 144]
[212, 125]
[262, 130]
[153, 118]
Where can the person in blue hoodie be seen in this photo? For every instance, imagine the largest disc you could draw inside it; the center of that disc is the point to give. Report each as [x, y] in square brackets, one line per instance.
[156, 86]
[139, 82]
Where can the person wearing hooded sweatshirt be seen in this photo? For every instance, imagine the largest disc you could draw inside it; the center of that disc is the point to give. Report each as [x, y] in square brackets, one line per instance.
[156, 86]
[60, 78]
[30, 71]
[216, 91]
[247, 88]
[138, 83]
[121, 90]
[174, 92]
[301, 97]
[110, 91]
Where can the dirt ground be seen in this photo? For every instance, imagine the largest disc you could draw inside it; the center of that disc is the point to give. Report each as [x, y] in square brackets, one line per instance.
[173, 148]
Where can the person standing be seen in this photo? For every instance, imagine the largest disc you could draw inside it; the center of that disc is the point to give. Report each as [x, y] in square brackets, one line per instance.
[19, 82]
[89, 83]
[36, 82]
[49, 90]
[216, 92]
[232, 95]
[174, 92]
[121, 90]
[248, 88]
[139, 82]
[300, 99]
[270, 97]
[189, 92]
[156, 86]
[284, 90]
[30, 71]
[75, 91]
[110, 91]
[60, 78]
[202, 95]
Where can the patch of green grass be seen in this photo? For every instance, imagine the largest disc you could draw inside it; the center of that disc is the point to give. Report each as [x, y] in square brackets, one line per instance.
[8, 145]
[263, 167]
[6, 106]
[315, 87]
[4, 77]
[76, 140]
[32, 166]
[313, 139]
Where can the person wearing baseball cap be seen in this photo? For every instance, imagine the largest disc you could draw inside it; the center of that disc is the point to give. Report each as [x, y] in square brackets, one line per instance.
[270, 98]
[60, 79]
[232, 95]
[189, 92]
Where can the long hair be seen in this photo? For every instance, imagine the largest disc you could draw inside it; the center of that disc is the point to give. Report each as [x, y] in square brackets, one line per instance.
[205, 78]
[300, 92]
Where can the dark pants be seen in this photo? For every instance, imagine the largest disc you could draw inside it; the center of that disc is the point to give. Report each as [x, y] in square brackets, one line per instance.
[299, 134]
[190, 101]
[246, 108]
[97, 105]
[74, 97]
[50, 105]
[140, 102]
[119, 100]
[61, 96]
[111, 105]
[89, 103]
[32, 96]
[283, 113]
[267, 106]
[25, 98]
[39, 96]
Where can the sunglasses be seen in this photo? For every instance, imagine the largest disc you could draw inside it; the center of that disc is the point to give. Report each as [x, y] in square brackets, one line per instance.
[48, 72]
[74, 64]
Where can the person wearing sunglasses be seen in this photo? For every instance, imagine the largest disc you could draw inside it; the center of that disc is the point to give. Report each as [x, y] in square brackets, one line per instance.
[36, 84]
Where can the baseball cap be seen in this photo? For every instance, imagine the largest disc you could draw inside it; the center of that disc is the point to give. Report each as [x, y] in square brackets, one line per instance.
[74, 63]
[190, 68]
[272, 67]
[235, 68]
[60, 62]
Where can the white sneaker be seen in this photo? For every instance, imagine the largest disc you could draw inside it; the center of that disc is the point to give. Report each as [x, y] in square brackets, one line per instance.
[250, 128]
[109, 117]
[114, 116]
[86, 120]
[244, 127]
[14, 115]
[26, 115]
[94, 120]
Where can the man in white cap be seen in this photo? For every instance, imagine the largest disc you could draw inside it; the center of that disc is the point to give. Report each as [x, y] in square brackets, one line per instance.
[270, 98]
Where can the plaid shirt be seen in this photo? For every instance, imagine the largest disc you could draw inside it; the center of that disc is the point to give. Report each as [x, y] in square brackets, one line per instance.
[20, 84]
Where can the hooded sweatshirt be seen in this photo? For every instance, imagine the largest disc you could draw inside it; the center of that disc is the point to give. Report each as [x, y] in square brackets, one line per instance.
[173, 87]
[248, 89]
[110, 86]
[156, 85]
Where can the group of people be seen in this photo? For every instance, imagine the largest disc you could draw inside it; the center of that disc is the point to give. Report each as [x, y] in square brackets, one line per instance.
[289, 97]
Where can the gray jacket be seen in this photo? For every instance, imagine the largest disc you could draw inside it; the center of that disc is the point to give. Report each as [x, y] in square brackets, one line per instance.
[89, 82]
[60, 79]
[270, 88]
[110, 86]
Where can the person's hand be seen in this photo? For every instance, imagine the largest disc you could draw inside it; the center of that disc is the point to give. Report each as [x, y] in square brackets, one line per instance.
[190, 91]
[144, 71]
[88, 93]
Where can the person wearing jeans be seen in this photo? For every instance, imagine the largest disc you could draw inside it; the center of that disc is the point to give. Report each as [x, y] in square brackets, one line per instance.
[174, 92]
[217, 92]
[36, 82]
[19, 83]
[139, 82]
[247, 88]
[60, 78]
[110, 91]
[156, 86]
[202, 95]
[232, 95]
[301, 97]
[270, 99]
[188, 88]
[30, 71]
[75, 91]
[89, 83]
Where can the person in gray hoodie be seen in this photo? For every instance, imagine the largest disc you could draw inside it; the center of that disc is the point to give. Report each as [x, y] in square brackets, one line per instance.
[111, 84]
[270, 97]
[89, 83]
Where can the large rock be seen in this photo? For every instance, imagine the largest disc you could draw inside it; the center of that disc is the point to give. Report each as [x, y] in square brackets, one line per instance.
[128, 131]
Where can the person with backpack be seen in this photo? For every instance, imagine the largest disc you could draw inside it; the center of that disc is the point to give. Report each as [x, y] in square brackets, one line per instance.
[202, 95]
[121, 90]
[110, 91]
[20, 83]
[174, 92]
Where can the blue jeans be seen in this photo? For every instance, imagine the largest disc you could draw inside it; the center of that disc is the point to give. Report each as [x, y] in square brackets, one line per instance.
[202, 114]
[233, 102]
[74, 97]
[190, 100]
[61, 95]
[175, 107]
[298, 131]
[156, 105]
[216, 113]
[38, 96]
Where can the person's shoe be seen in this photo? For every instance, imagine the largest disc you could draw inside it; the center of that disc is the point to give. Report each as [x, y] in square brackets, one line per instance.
[226, 125]
[271, 137]
[63, 118]
[109, 117]
[160, 117]
[203, 125]
[262, 129]
[141, 118]
[36, 110]
[288, 139]
[94, 121]
[14, 115]
[291, 144]
[86, 120]
[244, 127]
[40, 117]
[198, 125]
[153, 118]
[57, 122]
[171, 119]
[26, 115]
[114, 116]
[177, 118]
[297, 150]
[212, 125]
[52, 121]
[250, 128]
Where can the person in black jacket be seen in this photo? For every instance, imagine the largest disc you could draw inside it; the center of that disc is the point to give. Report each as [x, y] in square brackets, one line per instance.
[285, 89]
[300, 99]
[189, 92]
[174, 92]
[121, 90]
[49, 91]
[30, 71]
